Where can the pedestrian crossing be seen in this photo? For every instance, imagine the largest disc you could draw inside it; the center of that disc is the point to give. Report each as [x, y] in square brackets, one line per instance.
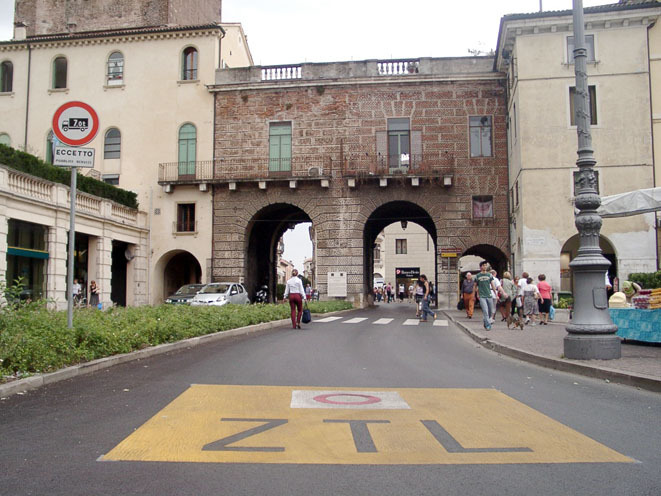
[382, 321]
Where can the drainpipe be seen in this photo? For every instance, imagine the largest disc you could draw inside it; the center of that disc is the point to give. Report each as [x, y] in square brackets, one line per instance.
[649, 76]
[27, 101]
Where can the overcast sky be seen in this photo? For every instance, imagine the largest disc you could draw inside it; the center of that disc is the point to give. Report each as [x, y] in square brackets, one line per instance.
[294, 31]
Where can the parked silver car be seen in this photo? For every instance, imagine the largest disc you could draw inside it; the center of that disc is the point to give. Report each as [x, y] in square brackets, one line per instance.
[184, 294]
[221, 293]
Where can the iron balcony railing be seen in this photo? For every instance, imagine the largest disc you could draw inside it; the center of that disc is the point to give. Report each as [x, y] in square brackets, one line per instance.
[424, 165]
[305, 167]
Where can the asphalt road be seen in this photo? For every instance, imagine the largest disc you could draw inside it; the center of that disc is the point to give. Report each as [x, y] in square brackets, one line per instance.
[60, 439]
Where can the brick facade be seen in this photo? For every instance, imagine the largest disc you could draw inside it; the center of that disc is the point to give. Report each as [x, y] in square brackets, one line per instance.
[331, 122]
[46, 17]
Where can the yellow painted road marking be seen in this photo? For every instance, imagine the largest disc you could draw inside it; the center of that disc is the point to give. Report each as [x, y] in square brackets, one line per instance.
[256, 424]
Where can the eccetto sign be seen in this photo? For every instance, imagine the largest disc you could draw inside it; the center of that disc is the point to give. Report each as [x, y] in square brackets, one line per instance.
[65, 156]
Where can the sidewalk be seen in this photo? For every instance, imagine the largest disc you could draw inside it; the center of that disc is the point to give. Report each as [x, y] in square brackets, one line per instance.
[639, 366]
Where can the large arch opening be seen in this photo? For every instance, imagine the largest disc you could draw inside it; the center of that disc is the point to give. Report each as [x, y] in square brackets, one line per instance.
[471, 258]
[421, 238]
[263, 234]
[570, 251]
[178, 268]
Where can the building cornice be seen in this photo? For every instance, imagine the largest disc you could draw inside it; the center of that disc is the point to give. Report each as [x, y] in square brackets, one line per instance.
[114, 36]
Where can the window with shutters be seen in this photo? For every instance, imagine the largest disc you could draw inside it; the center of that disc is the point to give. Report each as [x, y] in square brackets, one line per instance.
[112, 143]
[480, 136]
[399, 143]
[115, 76]
[187, 149]
[589, 45]
[280, 146]
[59, 73]
[592, 105]
[6, 77]
[400, 247]
[186, 217]
[189, 64]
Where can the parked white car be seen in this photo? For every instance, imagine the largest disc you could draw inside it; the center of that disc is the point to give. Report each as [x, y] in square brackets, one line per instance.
[221, 293]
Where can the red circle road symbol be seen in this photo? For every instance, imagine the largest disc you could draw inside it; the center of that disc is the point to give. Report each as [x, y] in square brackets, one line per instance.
[75, 123]
[325, 398]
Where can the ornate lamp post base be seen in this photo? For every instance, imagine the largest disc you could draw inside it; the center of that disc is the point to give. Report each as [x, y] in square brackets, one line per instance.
[592, 347]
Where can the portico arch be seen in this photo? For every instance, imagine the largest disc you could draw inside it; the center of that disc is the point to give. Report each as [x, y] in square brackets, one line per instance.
[178, 267]
[388, 213]
[264, 230]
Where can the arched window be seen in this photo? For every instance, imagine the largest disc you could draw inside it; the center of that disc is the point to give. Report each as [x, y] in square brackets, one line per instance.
[187, 147]
[6, 76]
[115, 74]
[4, 139]
[189, 66]
[112, 143]
[60, 73]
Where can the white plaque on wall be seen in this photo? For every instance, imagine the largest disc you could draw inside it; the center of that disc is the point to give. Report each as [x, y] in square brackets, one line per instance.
[337, 284]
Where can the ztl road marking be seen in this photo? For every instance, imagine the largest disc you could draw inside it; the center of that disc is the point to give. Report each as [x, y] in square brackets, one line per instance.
[279, 424]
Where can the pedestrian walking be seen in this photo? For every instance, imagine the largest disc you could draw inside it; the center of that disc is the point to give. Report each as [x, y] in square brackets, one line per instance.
[296, 294]
[495, 293]
[411, 290]
[507, 295]
[401, 292]
[523, 280]
[468, 294]
[545, 298]
[388, 293]
[419, 293]
[530, 299]
[484, 284]
[425, 300]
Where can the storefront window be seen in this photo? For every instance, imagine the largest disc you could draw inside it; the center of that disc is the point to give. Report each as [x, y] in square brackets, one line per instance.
[27, 258]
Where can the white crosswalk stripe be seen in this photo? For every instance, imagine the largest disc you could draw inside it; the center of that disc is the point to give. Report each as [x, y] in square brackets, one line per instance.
[357, 320]
[411, 322]
[383, 321]
[440, 323]
[329, 319]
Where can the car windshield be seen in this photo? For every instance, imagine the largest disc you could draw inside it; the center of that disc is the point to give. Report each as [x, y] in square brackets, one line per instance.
[215, 288]
[189, 289]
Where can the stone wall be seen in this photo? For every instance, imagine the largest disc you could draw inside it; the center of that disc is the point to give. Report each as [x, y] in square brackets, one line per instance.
[45, 17]
[331, 121]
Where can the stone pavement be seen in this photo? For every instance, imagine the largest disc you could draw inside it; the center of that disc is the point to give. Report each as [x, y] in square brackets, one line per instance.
[639, 366]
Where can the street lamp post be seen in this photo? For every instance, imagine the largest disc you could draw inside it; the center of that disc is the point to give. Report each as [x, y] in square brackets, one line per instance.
[591, 333]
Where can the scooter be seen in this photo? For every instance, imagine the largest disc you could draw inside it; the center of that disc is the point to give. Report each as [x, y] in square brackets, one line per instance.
[262, 296]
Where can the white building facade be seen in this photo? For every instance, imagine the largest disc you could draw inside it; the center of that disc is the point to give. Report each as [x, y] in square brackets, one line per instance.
[536, 52]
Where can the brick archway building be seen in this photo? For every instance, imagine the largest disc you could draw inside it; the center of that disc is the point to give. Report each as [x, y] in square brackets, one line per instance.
[337, 141]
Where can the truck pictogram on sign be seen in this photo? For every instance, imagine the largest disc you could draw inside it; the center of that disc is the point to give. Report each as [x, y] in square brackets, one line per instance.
[72, 123]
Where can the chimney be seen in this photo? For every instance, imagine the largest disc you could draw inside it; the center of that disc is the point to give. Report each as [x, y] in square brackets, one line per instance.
[20, 31]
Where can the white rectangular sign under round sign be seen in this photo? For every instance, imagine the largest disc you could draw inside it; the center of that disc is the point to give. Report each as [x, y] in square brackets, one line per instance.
[337, 284]
[69, 156]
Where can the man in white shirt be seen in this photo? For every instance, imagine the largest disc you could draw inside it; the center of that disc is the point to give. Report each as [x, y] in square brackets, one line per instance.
[295, 292]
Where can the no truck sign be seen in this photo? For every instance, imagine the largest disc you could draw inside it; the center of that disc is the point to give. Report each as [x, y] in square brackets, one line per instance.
[75, 123]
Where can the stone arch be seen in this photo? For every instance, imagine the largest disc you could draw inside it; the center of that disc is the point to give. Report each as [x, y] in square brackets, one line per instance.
[569, 251]
[262, 233]
[178, 267]
[383, 215]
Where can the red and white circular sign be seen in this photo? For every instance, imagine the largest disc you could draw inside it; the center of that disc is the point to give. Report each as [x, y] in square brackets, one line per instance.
[75, 123]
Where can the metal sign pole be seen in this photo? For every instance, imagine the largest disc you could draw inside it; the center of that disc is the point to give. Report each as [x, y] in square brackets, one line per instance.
[72, 242]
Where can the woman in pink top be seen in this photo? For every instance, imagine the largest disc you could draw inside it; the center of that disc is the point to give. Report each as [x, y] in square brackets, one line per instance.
[544, 289]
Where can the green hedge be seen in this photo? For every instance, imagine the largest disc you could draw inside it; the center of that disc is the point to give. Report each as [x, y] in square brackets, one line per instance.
[34, 339]
[30, 164]
[647, 280]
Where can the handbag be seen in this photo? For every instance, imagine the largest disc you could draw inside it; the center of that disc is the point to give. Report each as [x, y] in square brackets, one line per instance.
[460, 304]
[552, 313]
[306, 318]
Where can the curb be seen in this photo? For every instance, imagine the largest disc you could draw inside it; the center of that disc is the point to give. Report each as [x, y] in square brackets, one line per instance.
[642, 381]
[37, 381]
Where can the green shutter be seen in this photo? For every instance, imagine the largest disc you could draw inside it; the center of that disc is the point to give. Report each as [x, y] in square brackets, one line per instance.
[280, 147]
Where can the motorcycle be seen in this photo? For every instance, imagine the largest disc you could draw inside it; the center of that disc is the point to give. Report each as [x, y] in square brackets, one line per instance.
[262, 295]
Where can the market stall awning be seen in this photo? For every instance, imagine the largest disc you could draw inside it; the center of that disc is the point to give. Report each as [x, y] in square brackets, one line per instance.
[631, 203]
